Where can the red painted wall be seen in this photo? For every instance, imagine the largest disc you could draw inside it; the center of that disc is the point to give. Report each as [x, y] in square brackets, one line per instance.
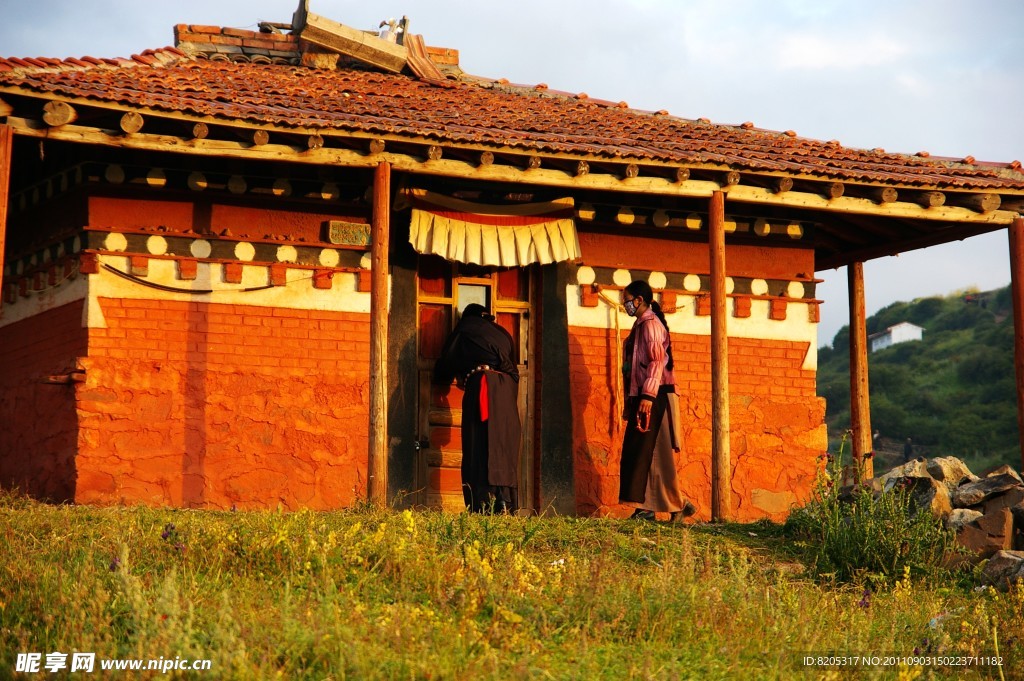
[212, 405]
[651, 254]
[776, 421]
[38, 422]
[291, 224]
[776, 418]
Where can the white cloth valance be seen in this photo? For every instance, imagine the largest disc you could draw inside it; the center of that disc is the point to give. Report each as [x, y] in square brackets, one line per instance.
[499, 236]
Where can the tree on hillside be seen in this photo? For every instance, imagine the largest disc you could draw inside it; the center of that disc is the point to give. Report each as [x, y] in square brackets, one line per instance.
[953, 392]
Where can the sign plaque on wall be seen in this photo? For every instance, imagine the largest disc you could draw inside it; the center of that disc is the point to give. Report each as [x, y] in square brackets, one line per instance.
[342, 233]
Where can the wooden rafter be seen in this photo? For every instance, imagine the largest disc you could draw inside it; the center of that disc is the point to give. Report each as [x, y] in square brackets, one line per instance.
[567, 177]
[941, 235]
[842, 232]
[721, 176]
[889, 229]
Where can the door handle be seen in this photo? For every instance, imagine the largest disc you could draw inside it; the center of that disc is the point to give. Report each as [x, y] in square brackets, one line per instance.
[422, 444]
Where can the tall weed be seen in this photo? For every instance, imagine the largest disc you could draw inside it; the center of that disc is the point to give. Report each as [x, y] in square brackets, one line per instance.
[860, 534]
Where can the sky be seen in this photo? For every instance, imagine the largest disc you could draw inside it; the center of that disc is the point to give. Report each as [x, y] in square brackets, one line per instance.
[943, 76]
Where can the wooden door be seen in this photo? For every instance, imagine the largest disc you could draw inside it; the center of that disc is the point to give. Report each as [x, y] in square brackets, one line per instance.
[443, 291]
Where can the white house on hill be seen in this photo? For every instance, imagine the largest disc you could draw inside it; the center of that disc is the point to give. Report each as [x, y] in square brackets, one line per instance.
[897, 333]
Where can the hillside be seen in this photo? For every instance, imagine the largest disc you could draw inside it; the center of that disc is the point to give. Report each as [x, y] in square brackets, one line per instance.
[953, 393]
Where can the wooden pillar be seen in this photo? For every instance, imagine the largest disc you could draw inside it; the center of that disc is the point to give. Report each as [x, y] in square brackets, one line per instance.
[1016, 272]
[860, 405]
[6, 145]
[721, 469]
[377, 484]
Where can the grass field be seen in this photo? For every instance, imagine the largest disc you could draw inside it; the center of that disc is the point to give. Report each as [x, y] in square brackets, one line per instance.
[372, 594]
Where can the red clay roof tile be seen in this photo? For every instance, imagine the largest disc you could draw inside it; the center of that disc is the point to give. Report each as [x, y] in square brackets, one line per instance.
[477, 111]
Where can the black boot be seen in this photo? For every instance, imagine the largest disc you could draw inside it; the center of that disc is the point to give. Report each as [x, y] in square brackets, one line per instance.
[687, 510]
[641, 514]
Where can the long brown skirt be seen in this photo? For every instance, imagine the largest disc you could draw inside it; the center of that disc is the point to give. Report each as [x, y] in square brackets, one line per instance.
[490, 449]
[648, 469]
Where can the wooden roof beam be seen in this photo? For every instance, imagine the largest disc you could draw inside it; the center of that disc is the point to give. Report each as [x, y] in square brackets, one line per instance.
[956, 232]
[57, 113]
[1013, 205]
[850, 204]
[825, 236]
[555, 171]
[983, 203]
[842, 231]
[887, 229]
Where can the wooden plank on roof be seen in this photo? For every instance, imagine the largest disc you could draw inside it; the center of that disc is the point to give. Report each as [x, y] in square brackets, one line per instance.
[360, 45]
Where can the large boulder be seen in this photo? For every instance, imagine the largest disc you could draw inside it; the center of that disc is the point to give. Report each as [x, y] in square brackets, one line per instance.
[973, 493]
[1003, 569]
[917, 468]
[1009, 499]
[929, 494]
[959, 517]
[988, 534]
[1005, 469]
[950, 471]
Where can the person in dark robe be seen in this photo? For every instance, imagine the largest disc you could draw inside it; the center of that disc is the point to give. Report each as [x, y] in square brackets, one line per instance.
[653, 432]
[480, 356]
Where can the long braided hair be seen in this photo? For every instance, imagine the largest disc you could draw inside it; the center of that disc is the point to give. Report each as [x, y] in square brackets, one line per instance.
[641, 289]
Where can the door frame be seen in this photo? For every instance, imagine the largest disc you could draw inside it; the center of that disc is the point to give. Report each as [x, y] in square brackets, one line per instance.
[528, 355]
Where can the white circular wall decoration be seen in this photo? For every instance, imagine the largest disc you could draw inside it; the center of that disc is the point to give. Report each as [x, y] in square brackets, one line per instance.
[156, 244]
[795, 289]
[287, 254]
[657, 280]
[200, 248]
[329, 257]
[115, 242]
[366, 262]
[729, 285]
[621, 278]
[758, 287]
[585, 276]
[245, 251]
[691, 282]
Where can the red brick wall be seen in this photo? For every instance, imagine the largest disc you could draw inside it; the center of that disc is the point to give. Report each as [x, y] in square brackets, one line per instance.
[213, 405]
[38, 424]
[776, 421]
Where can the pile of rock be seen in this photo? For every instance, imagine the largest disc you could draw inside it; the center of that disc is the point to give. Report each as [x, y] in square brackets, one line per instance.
[987, 513]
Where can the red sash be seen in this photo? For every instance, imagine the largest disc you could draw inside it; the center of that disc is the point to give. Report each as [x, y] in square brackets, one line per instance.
[484, 400]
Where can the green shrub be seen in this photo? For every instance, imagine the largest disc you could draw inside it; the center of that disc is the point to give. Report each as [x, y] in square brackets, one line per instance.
[861, 535]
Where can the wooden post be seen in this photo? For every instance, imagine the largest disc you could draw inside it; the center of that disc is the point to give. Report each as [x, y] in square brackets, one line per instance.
[1016, 272]
[377, 464]
[6, 146]
[721, 469]
[860, 405]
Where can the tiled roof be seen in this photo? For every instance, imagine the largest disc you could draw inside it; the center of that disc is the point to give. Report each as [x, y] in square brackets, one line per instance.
[471, 111]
